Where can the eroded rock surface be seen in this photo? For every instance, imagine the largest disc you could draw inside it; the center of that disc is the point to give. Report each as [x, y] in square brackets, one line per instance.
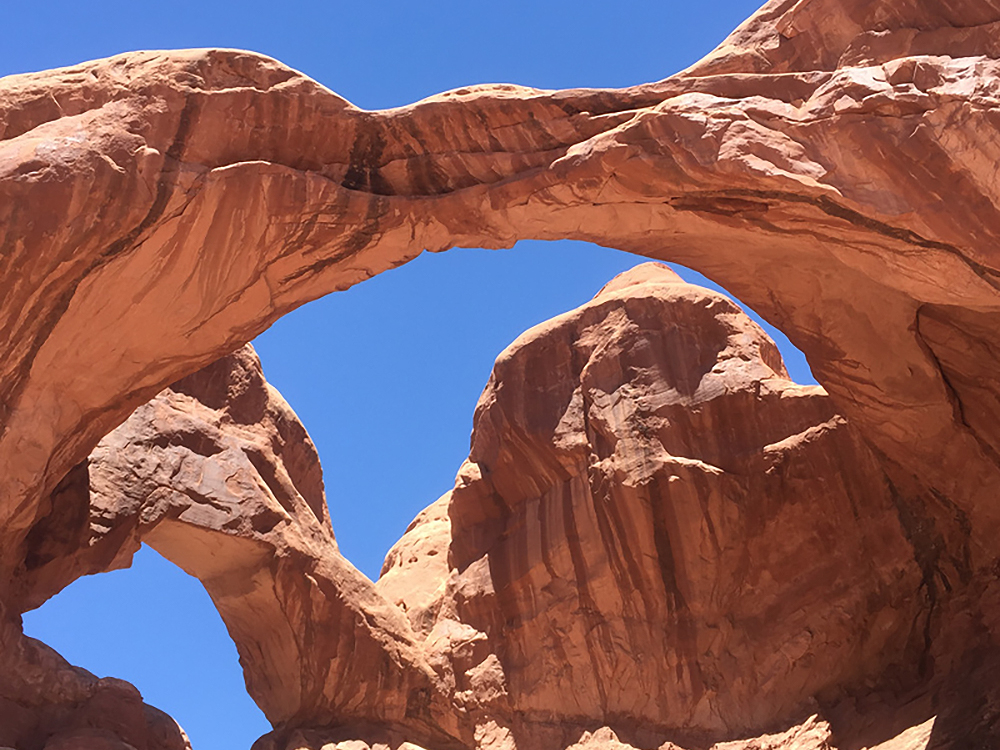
[832, 163]
[661, 526]
[657, 531]
[659, 534]
[218, 475]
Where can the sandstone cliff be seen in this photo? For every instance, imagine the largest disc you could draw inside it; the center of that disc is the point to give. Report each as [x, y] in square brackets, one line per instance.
[832, 163]
[656, 533]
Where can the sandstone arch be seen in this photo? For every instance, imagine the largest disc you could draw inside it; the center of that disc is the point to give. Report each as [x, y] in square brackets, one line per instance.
[830, 163]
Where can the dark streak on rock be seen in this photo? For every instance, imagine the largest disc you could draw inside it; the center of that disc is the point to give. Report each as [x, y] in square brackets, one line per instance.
[668, 575]
[588, 606]
[721, 205]
[958, 407]
[926, 543]
[664, 549]
[364, 171]
[357, 241]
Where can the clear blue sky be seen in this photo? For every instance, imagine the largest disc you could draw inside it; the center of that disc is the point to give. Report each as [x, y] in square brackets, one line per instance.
[386, 375]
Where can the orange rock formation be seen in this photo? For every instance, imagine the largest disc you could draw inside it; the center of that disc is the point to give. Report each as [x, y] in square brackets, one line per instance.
[832, 163]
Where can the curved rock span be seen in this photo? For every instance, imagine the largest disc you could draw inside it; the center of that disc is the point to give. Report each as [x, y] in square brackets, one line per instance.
[832, 163]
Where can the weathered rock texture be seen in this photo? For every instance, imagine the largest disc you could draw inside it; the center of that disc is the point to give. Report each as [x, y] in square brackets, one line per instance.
[656, 525]
[656, 533]
[218, 475]
[832, 163]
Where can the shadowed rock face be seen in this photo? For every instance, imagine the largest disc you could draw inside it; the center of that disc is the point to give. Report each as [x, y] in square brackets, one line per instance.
[832, 163]
[48, 704]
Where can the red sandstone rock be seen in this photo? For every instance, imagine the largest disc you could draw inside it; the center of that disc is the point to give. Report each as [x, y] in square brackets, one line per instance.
[831, 163]
[657, 530]
[219, 476]
[723, 167]
[416, 568]
[537, 588]
[536, 593]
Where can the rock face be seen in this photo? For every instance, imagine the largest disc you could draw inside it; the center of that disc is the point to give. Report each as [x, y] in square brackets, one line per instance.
[657, 531]
[656, 524]
[219, 476]
[829, 164]
[832, 163]
[47, 704]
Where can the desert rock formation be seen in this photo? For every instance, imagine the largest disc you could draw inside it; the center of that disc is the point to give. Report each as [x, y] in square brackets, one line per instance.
[656, 533]
[657, 530]
[832, 163]
[656, 525]
[218, 475]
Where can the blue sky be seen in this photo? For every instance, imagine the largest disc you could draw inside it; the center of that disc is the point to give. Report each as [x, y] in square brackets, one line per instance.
[385, 376]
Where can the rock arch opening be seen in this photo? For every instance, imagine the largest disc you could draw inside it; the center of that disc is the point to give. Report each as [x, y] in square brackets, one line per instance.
[386, 375]
[793, 164]
[154, 626]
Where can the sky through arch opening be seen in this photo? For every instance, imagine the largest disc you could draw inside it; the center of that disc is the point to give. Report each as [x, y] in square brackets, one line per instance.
[386, 375]
[156, 627]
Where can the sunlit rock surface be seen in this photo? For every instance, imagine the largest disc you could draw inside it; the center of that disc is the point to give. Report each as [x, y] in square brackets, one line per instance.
[656, 530]
[832, 163]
